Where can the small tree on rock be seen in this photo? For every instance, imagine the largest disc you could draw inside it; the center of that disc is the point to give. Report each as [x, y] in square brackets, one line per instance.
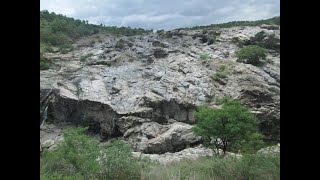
[232, 126]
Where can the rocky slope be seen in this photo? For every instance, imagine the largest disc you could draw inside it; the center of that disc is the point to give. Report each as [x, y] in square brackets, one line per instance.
[145, 88]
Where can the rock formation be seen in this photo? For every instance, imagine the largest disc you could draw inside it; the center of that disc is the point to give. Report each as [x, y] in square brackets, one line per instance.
[145, 88]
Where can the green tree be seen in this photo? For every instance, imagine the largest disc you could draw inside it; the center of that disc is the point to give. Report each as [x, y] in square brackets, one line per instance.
[251, 54]
[230, 127]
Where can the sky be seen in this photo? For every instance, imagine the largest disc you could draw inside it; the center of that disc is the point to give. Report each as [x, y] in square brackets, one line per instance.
[163, 14]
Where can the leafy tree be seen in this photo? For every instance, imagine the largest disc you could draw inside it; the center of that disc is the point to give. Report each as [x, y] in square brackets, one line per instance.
[229, 127]
[251, 54]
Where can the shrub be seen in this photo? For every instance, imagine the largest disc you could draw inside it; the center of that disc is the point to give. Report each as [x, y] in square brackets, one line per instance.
[80, 157]
[44, 65]
[251, 54]
[211, 41]
[204, 56]
[77, 154]
[224, 128]
[119, 162]
[222, 72]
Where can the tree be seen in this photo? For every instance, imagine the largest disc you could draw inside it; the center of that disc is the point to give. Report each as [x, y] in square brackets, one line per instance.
[251, 54]
[231, 126]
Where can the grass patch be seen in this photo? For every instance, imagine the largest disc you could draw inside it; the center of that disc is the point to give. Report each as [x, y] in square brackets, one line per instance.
[248, 167]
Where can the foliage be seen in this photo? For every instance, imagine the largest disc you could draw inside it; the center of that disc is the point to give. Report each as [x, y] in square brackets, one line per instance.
[77, 154]
[81, 157]
[233, 124]
[43, 62]
[222, 72]
[271, 21]
[44, 65]
[262, 167]
[120, 164]
[251, 54]
[204, 56]
[58, 30]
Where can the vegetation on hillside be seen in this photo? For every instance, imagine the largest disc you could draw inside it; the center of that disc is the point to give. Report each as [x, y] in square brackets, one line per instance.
[271, 21]
[80, 156]
[229, 128]
[59, 30]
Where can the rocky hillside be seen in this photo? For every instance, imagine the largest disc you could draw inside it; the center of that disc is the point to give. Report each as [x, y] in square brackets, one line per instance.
[146, 87]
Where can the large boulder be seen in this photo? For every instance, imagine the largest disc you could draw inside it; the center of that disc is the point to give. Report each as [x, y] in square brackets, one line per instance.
[156, 138]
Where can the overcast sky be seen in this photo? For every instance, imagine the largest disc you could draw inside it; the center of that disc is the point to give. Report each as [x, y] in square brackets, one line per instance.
[163, 14]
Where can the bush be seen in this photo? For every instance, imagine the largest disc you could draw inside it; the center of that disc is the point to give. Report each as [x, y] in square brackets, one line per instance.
[76, 155]
[222, 72]
[204, 56]
[43, 63]
[119, 162]
[211, 41]
[233, 124]
[80, 157]
[251, 54]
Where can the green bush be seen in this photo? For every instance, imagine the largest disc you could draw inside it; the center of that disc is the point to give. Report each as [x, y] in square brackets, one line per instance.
[43, 63]
[120, 164]
[204, 56]
[76, 155]
[262, 167]
[80, 157]
[223, 128]
[222, 72]
[251, 55]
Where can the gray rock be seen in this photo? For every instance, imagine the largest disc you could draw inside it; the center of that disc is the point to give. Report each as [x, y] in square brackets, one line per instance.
[156, 83]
